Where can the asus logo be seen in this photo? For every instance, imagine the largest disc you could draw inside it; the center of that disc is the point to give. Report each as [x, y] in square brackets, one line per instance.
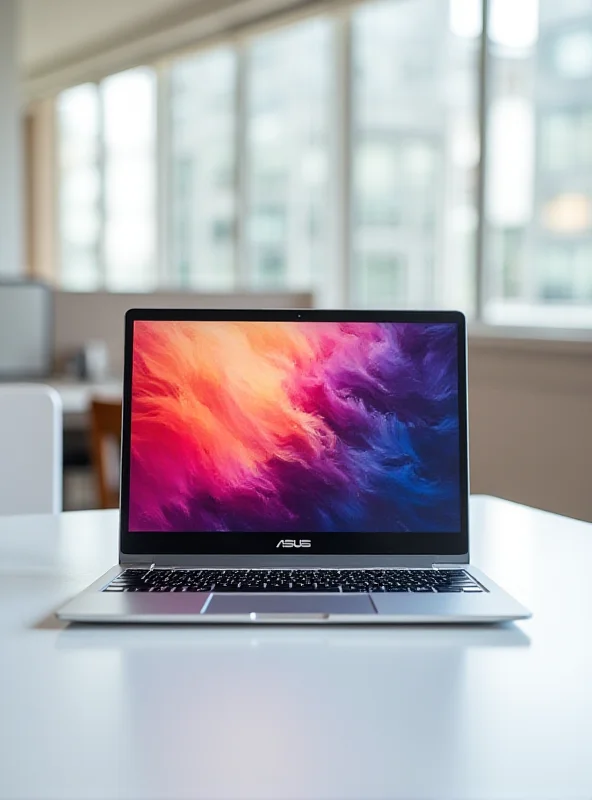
[293, 543]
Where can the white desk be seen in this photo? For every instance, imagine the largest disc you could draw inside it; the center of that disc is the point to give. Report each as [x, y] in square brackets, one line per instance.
[77, 395]
[297, 713]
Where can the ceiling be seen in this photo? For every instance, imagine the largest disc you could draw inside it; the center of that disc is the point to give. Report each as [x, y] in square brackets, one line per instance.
[66, 42]
[56, 31]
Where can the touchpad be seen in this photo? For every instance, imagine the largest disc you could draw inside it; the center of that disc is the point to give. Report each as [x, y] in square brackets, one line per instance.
[262, 605]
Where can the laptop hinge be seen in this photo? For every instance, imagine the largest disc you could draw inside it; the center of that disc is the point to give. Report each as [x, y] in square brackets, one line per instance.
[449, 566]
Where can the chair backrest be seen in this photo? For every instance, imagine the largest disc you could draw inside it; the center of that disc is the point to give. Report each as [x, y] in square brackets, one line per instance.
[30, 449]
[106, 446]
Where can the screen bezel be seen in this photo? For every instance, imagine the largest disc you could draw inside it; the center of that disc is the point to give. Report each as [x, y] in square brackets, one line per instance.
[322, 544]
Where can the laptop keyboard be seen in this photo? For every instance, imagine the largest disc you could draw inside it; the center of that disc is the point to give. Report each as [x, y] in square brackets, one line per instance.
[291, 580]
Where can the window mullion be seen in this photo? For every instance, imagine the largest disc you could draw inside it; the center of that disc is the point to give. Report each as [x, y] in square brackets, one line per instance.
[242, 266]
[164, 274]
[102, 210]
[481, 282]
[338, 281]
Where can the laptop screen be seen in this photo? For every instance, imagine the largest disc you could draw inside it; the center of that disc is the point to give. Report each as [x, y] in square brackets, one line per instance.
[295, 427]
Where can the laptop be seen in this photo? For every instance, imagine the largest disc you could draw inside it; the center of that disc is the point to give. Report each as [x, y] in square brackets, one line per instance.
[294, 467]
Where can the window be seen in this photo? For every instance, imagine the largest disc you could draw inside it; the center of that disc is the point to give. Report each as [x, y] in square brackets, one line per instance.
[233, 184]
[202, 167]
[107, 183]
[539, 199]
[383, 277]
[572, 57]
[415, 154]
[129, 163]
[79, 213]
[287, 156]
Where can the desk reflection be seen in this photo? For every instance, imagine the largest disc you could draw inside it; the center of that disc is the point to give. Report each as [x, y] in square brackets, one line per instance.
[237, 701]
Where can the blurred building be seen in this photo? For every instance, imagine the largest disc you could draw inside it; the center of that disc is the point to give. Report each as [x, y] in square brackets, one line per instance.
[540, 170]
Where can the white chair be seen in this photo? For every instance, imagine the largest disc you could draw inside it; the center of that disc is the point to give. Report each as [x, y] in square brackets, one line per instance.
[30, 449]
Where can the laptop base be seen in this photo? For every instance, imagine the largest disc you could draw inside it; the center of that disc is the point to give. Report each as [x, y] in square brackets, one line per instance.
[93, 605]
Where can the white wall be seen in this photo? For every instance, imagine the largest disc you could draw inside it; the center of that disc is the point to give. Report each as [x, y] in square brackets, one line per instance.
[80, 317]
[530, 406]
[11, 212]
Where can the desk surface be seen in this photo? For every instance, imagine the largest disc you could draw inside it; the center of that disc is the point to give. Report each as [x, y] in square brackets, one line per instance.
[77, 395]
[186, 712]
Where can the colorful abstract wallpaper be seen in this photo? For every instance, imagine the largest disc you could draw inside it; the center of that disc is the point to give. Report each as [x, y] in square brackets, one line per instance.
[294, 427]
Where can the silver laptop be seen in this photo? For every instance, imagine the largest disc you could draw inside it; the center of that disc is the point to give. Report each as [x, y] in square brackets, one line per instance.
[294, 467]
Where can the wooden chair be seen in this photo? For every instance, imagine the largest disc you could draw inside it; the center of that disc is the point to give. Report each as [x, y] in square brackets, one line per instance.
[105, 419]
